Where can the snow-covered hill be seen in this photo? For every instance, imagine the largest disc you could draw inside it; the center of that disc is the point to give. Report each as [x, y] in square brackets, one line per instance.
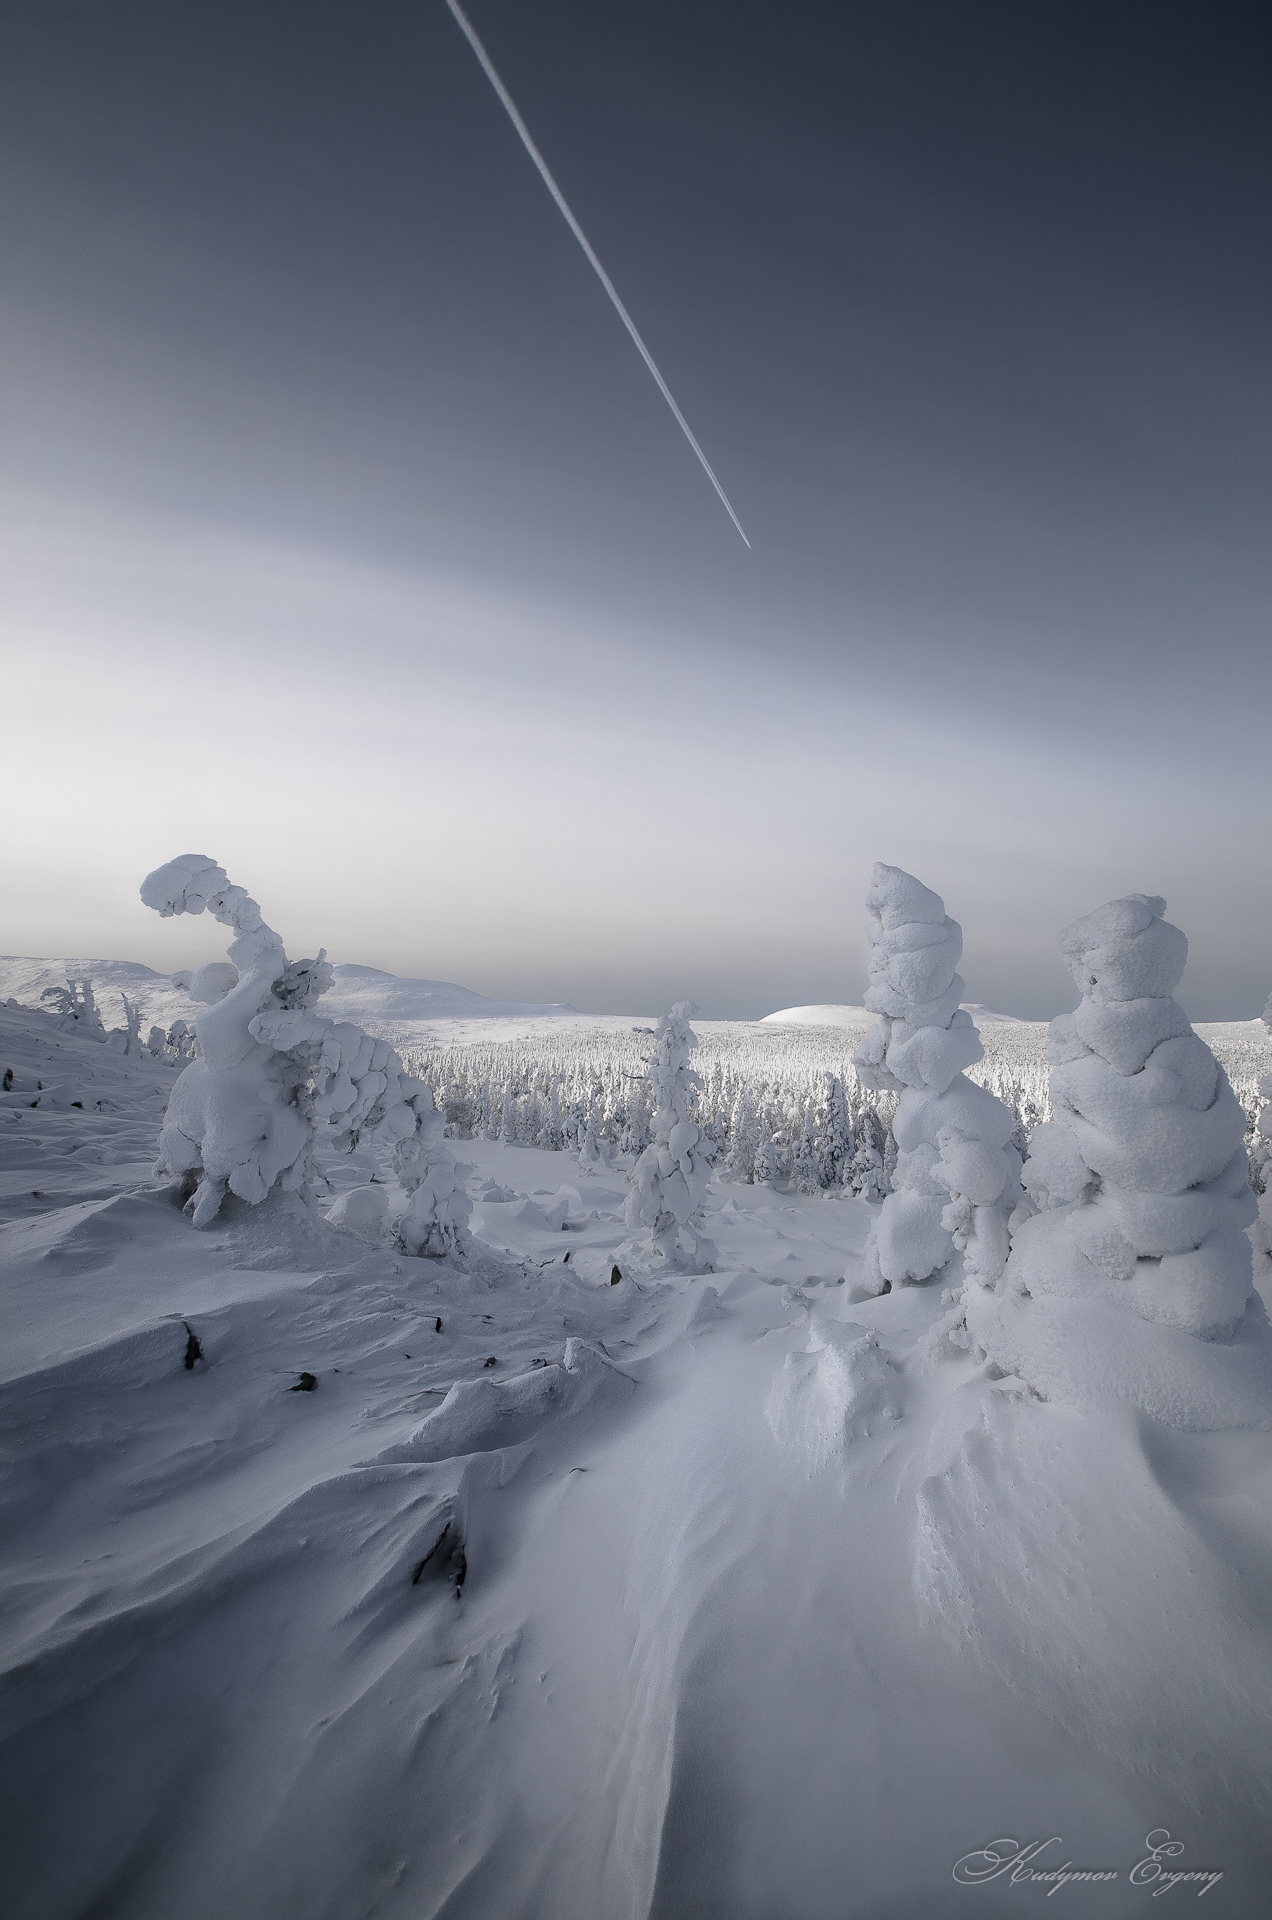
[819, 1016]
[403, 1011]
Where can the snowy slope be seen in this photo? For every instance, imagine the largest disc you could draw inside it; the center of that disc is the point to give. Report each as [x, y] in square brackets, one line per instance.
[726, 1597]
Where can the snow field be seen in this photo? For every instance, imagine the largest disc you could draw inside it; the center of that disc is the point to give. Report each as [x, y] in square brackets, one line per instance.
[682, 1606]
[539, 1577]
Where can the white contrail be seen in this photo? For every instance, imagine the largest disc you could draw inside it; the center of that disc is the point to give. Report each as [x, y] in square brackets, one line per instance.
[552, 187]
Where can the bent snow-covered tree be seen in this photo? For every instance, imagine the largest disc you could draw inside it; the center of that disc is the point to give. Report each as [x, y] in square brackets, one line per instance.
[670, 1176]
[76, 1009]
[957, 1174]
[1131, 1280]
[272, 1078]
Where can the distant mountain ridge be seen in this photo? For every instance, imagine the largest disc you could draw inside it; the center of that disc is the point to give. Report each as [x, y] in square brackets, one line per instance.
[374, 999]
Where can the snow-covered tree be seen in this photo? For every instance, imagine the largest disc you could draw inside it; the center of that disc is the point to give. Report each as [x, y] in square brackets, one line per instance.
[957, 1175]
[435, 1220]
[273, 1077]
[76, 1009]
[764, 1166]
[670, 1177]
[127, 1039]
[866, 1174]
[1134, 1256]
[832, 1132]
[806, 1170]
[744, 1136]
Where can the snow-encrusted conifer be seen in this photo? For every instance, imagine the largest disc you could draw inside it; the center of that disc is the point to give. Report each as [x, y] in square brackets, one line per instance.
[436, 1215]
[670, 1177]
[764, 1167]
[272, 1077]
[957, 1175]
[589, 1151]
[866, 1174]
[1135, 1261]
[806, 1169]
[76, 1009]
[744, 1136]
[832, 1129]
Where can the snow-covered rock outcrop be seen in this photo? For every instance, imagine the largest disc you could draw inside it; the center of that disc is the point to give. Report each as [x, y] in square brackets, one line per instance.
[670, 1177]
[1132, 1278]
[273, 1078]
[957, 1174]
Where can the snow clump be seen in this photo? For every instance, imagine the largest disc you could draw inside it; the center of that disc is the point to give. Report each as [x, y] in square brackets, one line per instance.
[670, 1177]
[957, 1173]
[1130, 1269]
[273, 1078]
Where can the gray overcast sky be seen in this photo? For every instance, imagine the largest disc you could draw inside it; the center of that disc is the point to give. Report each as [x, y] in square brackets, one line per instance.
[346, 538]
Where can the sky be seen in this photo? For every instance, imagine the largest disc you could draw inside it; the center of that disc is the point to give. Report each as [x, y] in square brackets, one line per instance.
[345, 538]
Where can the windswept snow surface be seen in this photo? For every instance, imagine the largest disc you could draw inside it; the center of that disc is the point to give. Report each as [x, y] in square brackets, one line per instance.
[712, 1597]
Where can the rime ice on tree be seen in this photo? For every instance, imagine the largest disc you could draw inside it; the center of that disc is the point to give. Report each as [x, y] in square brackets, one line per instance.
[1132, 1279]
[670, 1177]
[273, 1077]
[957, 1174]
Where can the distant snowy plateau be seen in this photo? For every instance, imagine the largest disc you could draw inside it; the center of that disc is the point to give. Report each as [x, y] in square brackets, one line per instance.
[537, 1583]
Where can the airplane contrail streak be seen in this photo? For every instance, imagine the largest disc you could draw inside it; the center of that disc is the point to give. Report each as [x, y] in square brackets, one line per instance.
[487, 67]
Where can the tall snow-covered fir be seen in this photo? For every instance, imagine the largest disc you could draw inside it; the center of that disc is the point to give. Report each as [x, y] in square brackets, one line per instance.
[957, 1174]
[670, 1177]
[1132, 1279]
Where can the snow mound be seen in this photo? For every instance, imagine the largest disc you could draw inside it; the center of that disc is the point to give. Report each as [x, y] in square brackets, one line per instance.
[829, 1393]
[479, 1416]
